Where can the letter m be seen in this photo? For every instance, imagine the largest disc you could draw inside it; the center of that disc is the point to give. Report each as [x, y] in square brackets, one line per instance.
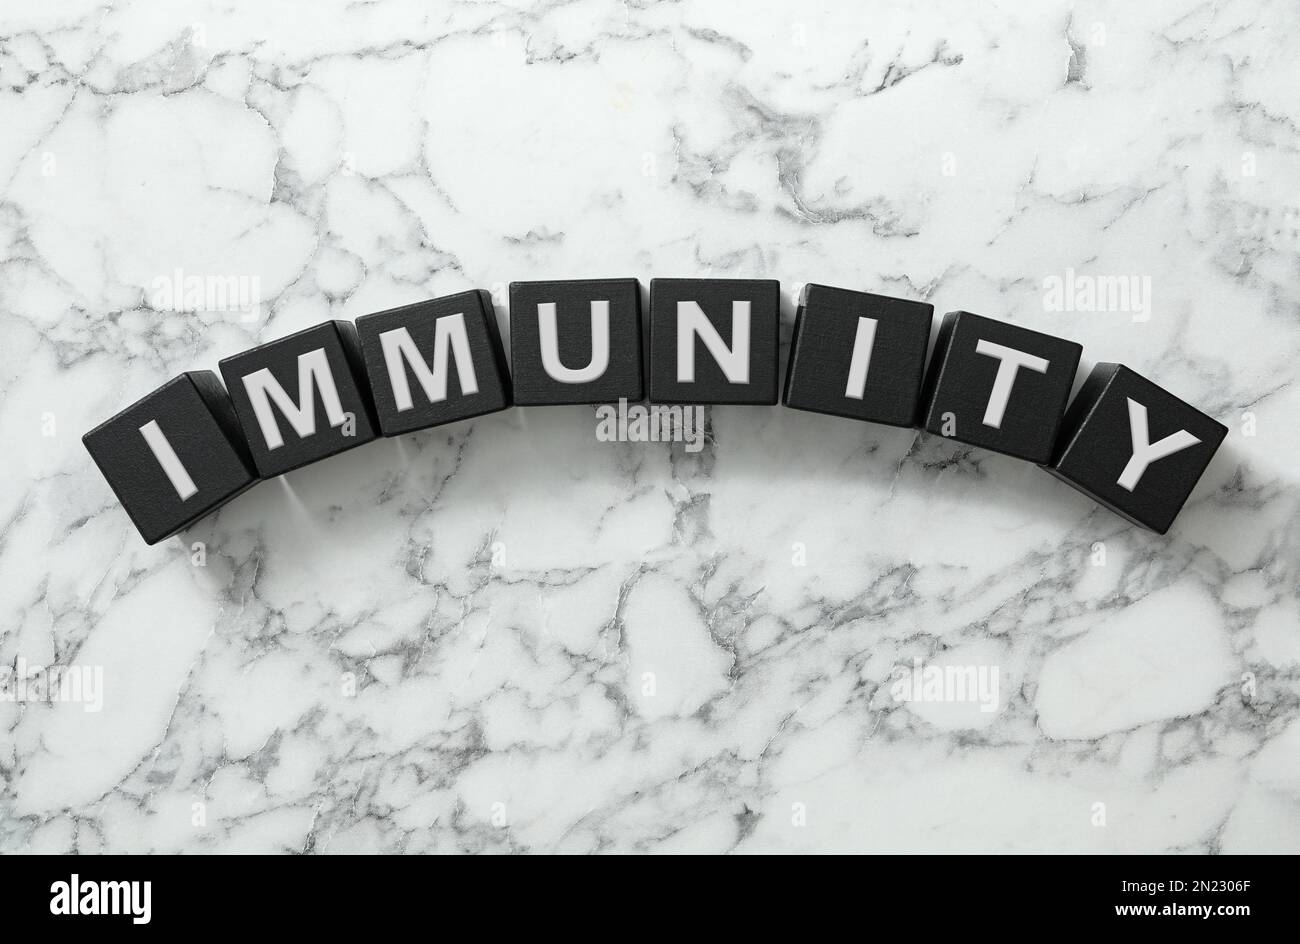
[313, 374]
[400, 350]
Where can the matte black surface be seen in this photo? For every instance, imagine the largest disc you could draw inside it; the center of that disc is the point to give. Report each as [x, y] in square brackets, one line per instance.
[339, 341]
[622, 378]
[494, 388]
[960, 382]
[715, 297]
[821, 351]
[1096, 445]
[198, 421]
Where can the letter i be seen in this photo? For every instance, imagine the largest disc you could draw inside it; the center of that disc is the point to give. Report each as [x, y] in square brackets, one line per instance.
[171, 464]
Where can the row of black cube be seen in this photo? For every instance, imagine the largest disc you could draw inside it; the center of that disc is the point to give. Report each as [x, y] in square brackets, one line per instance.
[194, 444]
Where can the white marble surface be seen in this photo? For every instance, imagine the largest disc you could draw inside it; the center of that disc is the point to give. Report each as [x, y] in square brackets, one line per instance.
[501, 594]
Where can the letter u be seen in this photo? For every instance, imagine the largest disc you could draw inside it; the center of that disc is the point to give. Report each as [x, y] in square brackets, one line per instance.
[549, 336]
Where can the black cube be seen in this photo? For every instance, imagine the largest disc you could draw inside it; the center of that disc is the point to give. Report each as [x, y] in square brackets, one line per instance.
[173, 456]
[858, 355]
[302, 398]
[999, 386]
[1134, 447]
[434, 362]
[714, 340]
[576, 341]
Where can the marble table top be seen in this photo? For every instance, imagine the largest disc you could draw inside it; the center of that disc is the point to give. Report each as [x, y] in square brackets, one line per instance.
[509, 635]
